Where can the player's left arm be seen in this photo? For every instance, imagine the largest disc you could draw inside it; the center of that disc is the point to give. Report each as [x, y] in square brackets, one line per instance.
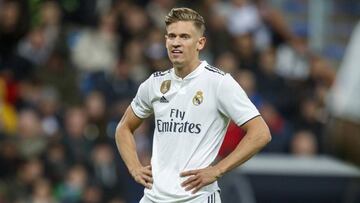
[257, 136]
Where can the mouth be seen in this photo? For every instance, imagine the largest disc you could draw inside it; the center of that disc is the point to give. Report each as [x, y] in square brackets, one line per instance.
[176, 52]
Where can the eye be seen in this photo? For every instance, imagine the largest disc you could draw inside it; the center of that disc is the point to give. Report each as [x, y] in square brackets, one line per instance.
[185, 36]
[171, 36]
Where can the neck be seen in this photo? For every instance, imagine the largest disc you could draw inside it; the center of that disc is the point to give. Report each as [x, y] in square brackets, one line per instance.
[183, 70]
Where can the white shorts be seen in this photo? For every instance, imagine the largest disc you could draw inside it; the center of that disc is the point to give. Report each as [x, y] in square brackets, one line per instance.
[213, 198]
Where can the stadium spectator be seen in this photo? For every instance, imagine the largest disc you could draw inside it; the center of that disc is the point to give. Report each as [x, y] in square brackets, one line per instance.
[304, 143]
[72, 188]
[31, 141]
[106, 172]
[77, 142]
[42, 192]
[14, 24]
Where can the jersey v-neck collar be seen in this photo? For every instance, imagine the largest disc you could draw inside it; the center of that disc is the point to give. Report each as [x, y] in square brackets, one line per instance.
[197, 71]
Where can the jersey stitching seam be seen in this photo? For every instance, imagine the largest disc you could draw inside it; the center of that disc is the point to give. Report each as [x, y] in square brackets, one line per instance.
[148, 95]
[217, 93]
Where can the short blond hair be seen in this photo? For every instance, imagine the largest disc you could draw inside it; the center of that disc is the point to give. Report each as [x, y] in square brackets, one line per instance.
[185, 14]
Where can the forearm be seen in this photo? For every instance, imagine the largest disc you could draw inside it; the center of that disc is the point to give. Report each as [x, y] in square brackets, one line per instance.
[127, 148]
[252, 143]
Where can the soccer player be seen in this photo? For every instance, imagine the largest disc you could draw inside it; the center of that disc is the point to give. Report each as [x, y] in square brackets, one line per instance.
[193, 103]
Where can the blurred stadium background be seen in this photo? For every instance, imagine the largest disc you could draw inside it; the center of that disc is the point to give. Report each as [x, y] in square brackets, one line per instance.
[69, 68]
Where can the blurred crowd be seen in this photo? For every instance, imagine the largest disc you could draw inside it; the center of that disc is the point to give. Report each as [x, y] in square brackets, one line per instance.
[69, 68]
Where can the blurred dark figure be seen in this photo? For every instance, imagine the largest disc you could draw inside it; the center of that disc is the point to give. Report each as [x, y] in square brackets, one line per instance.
[134, 21]
[44, 36]
[157, 9]
[116, 85]
[13, 26]
[10, 159]
[155, 51]
[245, 51]
[42, 192]
[275, 22]
[310, 118]
[78, 146]
[95, 106]
[343, 130]
[31, 141]
[227, 62]
[280, 128]
[74, 185]
[104, 166]
[106, 172]
[304, 143]
[321, 73]
[248, 82]
[29, 94]
[217, 32]
[27, 175]
[57, 73]
[271, 86]
[96, 49]
[292, 60]
[95, 52]
[35, 47]
[56, 162]
[49, 108]
[134, 58]
[92, 194]
[84, 12]
[243, 18]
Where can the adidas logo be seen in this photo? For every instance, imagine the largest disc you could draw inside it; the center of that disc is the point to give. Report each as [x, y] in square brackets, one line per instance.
[163, 100]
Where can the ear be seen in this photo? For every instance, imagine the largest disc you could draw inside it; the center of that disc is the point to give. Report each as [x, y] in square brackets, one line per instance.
[201, 43]
[166, 37]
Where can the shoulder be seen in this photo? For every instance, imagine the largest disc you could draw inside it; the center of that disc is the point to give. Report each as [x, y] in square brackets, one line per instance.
[158, 74]
[212, 70]
[213, 74]
[220, 78]
[156, 78]
[213, 77]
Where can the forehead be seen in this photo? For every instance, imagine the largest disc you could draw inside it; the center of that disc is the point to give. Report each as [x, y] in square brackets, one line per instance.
[181, 27]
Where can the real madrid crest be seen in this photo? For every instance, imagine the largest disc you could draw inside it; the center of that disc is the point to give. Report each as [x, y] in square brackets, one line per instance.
[198, 98]
[165, 86]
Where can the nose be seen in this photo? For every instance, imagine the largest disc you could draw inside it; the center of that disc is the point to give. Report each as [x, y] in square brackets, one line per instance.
[176, 42]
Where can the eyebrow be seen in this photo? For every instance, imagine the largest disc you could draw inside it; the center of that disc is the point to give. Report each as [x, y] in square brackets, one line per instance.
[181, 34]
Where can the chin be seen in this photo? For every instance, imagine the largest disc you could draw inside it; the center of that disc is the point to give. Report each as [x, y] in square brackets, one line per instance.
[177, 63]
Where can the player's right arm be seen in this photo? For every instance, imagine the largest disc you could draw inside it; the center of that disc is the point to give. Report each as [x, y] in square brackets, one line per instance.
[126, 145]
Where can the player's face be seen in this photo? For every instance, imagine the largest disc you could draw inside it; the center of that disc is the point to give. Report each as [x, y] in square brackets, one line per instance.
[183, 43]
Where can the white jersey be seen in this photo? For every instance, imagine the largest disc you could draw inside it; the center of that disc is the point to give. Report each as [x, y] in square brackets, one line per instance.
[191, 118]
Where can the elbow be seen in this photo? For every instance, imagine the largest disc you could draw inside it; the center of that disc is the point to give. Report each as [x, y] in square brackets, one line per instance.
[264, 136]
[267, 136]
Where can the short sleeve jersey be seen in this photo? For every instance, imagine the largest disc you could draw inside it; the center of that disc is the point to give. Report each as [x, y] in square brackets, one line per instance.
[191, 118]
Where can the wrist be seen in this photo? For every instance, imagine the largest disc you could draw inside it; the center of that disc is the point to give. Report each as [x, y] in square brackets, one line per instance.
[219, 171]
[132, 169]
